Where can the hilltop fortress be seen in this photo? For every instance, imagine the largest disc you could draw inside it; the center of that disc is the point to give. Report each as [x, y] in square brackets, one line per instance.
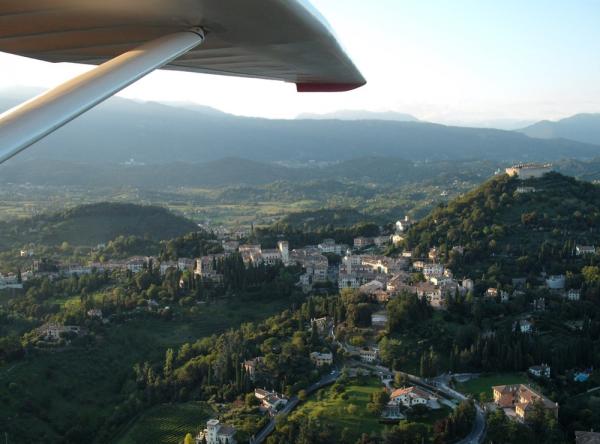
[529, 170]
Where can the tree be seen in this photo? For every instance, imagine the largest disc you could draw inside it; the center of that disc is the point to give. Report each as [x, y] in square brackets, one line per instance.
[169, 358]
[251, 400]
[379, 400]
[302, 395]
[407, 433]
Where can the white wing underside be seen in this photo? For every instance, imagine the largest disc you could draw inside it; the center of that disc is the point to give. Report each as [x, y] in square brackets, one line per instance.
[269, 39]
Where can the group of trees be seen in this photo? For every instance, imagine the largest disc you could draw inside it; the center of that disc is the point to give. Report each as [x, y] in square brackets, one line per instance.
[299, 236]
[211, 368]
[455, 426]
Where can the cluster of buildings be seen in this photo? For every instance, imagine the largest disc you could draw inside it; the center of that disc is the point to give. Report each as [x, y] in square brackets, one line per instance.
[518, 400]
[358, 270]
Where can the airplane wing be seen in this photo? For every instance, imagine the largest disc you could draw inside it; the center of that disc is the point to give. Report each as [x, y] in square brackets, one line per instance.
[284, 40]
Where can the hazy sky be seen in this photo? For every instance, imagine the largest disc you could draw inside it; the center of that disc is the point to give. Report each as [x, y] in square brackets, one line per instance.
[441, 60]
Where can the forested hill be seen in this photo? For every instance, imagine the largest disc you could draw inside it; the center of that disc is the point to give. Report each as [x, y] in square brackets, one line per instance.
[520, 226]
[90, 225]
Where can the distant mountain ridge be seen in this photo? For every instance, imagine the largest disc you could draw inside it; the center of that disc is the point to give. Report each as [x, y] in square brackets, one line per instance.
[153, 133]
[580, 127]
[359, 115]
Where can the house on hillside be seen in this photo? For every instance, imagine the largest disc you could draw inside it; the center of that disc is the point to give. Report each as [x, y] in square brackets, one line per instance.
[362, 242]
[556, 282]
[94, 313]
[369, 354]
[216, 433]
[433, 270]
[573, 294]
[525, 326]
[540, 371]
[53, 332]
[379, 319]
[270, 401]
[519, 399]
[404, 224]
[321, 359]
[583, 250]
[411, 396]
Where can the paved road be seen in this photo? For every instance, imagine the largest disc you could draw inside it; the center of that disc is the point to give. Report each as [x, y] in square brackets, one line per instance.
[292, 404]
[477, 434]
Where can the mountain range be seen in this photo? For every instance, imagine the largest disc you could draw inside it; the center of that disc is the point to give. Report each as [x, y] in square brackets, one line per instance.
[153, 133]
[580, 127]
[359, 115]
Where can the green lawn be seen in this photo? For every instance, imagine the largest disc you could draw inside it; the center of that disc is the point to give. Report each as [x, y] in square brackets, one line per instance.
[168, 424]
[333, 409]
[485, 383]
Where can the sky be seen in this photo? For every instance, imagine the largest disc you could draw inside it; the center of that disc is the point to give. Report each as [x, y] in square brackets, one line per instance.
[473, 62]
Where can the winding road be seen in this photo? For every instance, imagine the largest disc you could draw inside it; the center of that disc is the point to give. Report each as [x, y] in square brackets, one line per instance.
[292, 404]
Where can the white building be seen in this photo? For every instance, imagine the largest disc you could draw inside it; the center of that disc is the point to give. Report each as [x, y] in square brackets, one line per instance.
[271, 257]
[368, 355]
[526, 326]
[412, 396]
[529, 170]
[403, 225]
[270, 400]
[541, 371]
[379, 319]
[433, 270]
[216, 433]
[573, 294]
[556, 282]
[284, 251]
[329, 246]
[582, 250]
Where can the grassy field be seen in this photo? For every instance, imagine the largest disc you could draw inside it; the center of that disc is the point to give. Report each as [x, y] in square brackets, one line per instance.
[484, 383]
[333, 409]
[167, 424]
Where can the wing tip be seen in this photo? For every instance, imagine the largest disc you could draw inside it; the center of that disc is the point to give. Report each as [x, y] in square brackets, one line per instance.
[328, 87]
